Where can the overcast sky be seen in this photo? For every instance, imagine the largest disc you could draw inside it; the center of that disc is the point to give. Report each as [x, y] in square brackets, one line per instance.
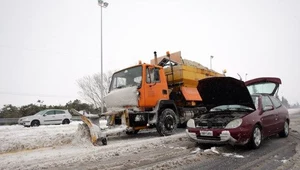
[46, 46]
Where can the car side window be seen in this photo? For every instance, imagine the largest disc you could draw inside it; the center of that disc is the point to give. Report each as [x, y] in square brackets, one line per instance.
[59, 112]
[51, 112]
[266, 101]
[276, 102]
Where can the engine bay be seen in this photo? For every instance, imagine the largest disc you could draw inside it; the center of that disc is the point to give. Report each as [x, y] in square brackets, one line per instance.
[217, 120]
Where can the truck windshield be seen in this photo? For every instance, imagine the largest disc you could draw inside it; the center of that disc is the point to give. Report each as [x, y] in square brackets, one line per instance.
[126, 78]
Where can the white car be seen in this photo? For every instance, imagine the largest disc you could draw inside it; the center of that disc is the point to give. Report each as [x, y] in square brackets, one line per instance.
[47, 117]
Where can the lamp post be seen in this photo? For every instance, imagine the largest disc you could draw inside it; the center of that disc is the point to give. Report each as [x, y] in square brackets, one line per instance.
[211, 57]
[102, 4]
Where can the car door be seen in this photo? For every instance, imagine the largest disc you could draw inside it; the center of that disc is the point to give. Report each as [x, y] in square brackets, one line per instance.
[49, 117]
[269, 118]
[60, 116]
[280, 113]
[155, 87]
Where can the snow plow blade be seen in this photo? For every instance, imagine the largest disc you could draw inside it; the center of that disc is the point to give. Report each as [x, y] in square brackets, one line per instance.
[92, 121]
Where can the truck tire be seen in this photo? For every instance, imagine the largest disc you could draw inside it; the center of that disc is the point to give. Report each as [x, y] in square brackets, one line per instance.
[166, 124]
[132, 132]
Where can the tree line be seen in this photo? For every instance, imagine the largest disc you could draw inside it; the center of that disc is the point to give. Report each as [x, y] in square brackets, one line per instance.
[10, 111]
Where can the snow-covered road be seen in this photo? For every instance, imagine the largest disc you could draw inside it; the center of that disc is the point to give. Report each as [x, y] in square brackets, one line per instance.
[68, 147]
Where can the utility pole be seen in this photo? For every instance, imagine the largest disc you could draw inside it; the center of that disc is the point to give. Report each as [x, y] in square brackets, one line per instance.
[102, 4]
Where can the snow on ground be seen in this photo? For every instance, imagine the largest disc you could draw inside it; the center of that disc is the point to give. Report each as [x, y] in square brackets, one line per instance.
[76, 151]
[18, 137]
[57, 145]
[294, 111]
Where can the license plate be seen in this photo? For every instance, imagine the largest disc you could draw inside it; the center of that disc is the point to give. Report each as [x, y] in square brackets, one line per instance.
[206, 133]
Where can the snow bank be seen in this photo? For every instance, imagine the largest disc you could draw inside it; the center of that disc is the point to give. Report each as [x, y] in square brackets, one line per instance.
[17, 137]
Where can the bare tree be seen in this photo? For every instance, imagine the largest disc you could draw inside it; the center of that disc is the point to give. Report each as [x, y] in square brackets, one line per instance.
[90, 87]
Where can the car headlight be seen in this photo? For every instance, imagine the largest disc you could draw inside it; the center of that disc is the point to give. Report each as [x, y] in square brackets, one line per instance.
[191, 123]
[234, 124]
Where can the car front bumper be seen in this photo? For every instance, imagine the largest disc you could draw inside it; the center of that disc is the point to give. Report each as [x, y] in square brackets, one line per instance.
[220, 136]
[25, 123]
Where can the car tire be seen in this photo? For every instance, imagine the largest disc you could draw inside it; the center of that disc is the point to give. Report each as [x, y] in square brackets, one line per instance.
[66, 121]
[285, 132]
[35, 123]
[167, 123]
[256, 138]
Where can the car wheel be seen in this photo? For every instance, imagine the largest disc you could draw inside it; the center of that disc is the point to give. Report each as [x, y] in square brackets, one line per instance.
[35, 123]
[256, 138]
[285, 132]
[66, 121]
[167, 123]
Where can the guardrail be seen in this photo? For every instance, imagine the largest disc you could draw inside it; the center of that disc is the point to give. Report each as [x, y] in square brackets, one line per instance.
[13, 121]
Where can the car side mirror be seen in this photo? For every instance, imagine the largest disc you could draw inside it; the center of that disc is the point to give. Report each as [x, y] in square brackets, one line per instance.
[268, 107]
[44, 115]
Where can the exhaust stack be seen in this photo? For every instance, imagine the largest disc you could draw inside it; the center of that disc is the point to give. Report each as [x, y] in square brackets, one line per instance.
[155, 58]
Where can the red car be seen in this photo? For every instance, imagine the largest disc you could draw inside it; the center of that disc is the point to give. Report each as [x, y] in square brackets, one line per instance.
[238, 112]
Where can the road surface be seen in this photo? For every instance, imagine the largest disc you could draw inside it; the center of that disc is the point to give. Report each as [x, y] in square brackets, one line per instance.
[147, 150]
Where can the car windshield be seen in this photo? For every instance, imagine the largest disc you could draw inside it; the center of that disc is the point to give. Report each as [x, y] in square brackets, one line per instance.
[127, 78]
[231, 107]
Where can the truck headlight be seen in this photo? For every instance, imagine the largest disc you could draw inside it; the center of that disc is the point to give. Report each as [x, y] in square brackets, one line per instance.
[234, 124]
[191, 123]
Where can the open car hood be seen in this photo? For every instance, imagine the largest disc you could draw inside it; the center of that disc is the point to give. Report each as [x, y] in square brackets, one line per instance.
[264, 85]
[217, 91]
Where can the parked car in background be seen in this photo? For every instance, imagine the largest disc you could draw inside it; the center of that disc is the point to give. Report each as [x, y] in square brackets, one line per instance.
[47, 117]
[238, 112]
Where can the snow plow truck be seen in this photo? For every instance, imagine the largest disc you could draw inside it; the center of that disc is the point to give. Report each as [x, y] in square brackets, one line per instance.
[161, 95]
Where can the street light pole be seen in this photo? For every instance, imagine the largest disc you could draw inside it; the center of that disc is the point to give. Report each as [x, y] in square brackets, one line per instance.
[102, 4]
[211, 57]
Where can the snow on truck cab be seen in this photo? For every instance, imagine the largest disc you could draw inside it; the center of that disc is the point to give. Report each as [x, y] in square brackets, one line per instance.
[159, 95]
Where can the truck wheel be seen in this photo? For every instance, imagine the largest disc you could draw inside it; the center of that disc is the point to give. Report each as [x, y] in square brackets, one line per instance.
[166, 124]
[104, 141]
[132, 132]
